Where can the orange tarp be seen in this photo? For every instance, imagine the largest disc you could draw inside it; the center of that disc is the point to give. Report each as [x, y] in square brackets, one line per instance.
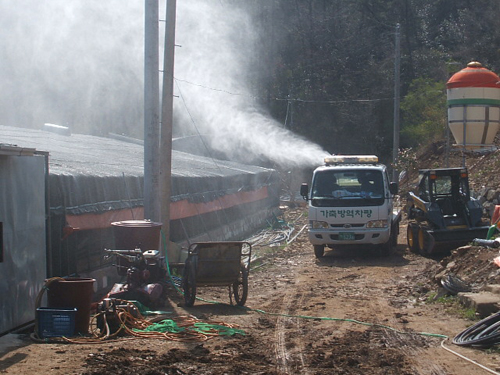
[178, 210]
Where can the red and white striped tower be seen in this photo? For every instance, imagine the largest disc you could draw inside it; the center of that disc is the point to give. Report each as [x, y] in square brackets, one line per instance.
[473, 97]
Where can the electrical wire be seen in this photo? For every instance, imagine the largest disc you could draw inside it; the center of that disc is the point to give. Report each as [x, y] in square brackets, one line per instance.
[328, 101]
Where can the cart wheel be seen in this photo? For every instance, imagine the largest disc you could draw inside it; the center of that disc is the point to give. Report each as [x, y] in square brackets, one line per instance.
[240, 287]
[189, 284]
[412, 238]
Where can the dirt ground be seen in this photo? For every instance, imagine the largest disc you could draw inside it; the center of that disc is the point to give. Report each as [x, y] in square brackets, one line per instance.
[348, 313]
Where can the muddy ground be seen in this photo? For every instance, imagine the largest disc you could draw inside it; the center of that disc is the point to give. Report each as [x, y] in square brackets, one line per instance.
[348, 313]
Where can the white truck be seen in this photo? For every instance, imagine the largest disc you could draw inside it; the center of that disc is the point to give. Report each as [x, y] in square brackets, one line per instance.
[351, 203]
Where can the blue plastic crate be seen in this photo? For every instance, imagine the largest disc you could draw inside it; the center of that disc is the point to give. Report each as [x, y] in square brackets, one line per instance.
[55, 322]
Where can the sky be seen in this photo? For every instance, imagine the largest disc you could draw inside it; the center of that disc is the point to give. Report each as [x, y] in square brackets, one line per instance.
[80, 64]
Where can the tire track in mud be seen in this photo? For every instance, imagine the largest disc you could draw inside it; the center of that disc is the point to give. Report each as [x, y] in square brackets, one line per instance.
[368, 296]
[304, 369]
[289, 362]
[413, 347]
[280, 341]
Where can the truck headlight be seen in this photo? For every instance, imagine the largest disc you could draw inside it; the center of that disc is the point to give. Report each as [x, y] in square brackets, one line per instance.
[319, 224]
[377, 224]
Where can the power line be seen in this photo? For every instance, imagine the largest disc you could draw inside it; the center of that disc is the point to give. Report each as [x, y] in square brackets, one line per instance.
[213, 89]
[333, 101]
[328, 101]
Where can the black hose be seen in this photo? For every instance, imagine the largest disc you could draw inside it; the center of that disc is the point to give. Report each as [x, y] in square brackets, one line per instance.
[485, 333]
[486, 243]
[454, 284]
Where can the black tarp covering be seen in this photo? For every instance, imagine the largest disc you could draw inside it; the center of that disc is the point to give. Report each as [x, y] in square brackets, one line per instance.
[91, 174]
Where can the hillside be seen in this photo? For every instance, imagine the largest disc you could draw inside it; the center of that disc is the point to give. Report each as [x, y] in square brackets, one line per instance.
[483, 167]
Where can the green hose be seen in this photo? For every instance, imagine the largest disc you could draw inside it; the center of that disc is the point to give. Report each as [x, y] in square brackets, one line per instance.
[164, 240]
[491, 231]
[300, 316]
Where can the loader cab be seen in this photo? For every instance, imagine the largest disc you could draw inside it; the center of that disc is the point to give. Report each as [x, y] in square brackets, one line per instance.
[442, 214]
[448, 198]
[448, 188]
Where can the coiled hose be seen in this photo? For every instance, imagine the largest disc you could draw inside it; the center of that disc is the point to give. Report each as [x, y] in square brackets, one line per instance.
[454, 284]
[485, 333]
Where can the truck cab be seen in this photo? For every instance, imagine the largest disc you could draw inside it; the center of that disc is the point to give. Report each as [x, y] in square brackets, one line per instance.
[351, 203]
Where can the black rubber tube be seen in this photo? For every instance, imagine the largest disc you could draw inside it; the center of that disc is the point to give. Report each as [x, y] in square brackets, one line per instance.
[484, 333]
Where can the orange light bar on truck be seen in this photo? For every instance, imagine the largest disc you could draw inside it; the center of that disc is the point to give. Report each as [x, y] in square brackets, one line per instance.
[351, 159]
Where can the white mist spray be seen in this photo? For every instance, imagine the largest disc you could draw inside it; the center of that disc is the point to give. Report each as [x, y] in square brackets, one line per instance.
[79, 63]
[76, 63]
[217, 53]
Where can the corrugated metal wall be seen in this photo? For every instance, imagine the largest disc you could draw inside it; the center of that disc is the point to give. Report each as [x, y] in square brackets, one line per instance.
[23, 266]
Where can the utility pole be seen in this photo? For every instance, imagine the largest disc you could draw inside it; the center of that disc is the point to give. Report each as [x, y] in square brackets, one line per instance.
[151, 112]
[397, 64]
[167, 118]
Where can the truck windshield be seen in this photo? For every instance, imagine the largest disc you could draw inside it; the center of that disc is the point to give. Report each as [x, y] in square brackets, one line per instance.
[347, 188]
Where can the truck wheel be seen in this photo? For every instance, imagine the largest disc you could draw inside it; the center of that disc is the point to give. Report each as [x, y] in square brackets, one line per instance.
[412, 237]
[319, 251]
[386, 249]
[394, 235]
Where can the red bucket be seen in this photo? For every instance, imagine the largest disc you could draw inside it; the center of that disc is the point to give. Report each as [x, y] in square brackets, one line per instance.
[73, 293]
[132, 234]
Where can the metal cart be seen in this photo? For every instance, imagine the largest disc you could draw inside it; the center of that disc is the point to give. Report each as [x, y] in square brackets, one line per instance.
[224, 263]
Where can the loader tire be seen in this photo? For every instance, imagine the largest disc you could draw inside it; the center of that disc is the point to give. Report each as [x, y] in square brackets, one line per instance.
[425, 242]
[412, 237]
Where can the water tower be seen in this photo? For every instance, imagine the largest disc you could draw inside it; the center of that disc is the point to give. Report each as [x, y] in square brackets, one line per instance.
[473, 96]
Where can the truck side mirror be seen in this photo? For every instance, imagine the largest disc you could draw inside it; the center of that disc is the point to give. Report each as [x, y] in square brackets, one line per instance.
[393, 188]
[304, 190]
